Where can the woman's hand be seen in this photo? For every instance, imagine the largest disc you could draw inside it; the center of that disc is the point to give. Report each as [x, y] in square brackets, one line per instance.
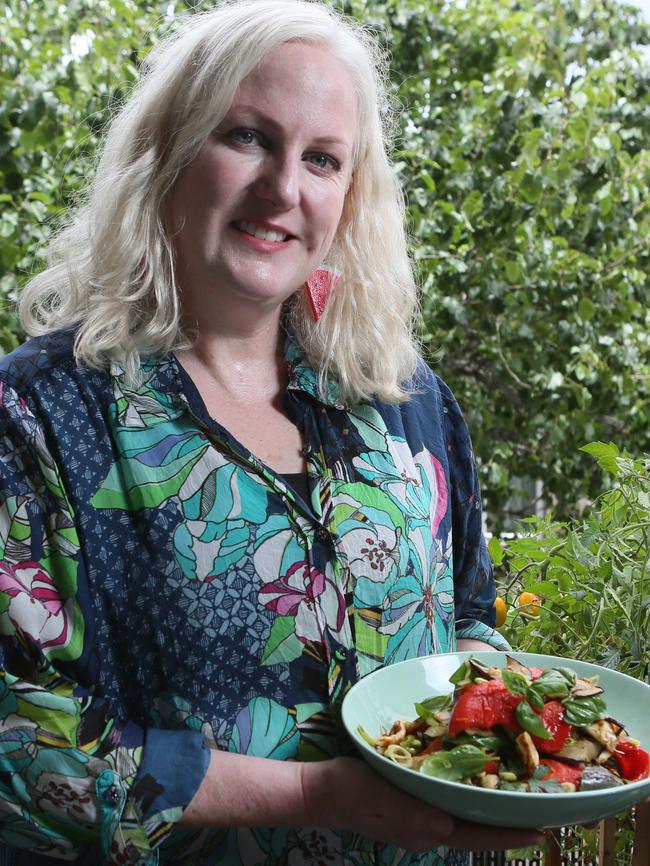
[341, 793]
[345, 793]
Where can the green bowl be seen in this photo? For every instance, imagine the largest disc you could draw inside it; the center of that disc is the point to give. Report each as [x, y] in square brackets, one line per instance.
[390, 693]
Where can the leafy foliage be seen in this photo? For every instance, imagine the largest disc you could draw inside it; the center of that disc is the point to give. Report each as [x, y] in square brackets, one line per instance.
[523, 153]
[593, 574]
[62, 68]
[524, 157]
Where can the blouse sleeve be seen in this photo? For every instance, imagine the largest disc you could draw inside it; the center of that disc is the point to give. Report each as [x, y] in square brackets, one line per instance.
[74, 775]
[474, 587]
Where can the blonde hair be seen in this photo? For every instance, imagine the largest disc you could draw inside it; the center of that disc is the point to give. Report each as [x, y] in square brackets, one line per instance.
[111, 269]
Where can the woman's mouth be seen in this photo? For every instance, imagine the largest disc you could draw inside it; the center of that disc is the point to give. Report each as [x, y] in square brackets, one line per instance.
[260, 232]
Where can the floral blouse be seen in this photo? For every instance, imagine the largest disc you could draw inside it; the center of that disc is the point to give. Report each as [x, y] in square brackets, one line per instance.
[163, 592]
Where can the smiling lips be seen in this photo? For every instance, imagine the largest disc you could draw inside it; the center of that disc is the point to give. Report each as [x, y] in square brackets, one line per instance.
[261, 233]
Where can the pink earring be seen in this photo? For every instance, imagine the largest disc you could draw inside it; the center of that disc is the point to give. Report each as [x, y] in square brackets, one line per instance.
[319, 287]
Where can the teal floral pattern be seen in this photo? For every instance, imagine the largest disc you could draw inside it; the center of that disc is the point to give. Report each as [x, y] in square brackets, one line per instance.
[163, 591]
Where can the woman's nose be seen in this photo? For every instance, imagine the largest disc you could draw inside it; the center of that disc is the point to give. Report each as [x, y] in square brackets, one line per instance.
[279, 182]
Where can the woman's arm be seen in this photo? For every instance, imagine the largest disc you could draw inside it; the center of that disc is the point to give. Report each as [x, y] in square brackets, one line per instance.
[75, 774]
[342, 793]
[468, 645]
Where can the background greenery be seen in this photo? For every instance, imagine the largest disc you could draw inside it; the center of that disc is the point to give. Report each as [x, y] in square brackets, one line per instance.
[524, 156]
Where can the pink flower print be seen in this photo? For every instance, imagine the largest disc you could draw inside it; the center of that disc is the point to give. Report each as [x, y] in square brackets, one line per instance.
[36, 606]
[306, 594]
[442, 498]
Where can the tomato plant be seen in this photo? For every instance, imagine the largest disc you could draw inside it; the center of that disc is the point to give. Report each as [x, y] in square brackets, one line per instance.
[501, 609]
[593, 574]
[529, 604]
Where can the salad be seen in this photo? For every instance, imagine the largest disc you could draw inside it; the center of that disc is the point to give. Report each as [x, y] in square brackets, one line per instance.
[517, 729]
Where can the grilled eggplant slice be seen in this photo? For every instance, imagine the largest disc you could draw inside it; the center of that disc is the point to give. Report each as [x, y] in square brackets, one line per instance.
[581, 750]
[607, 732]
[585, 689]
[594, 778]
[518, 667]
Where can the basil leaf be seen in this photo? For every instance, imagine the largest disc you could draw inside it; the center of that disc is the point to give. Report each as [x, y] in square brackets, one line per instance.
[552, 684]
[535, 699]
[531, 722]
[461, 674]
[437, 704]
[569, 676]
[517, 684]
[455, 765]
[485, 742]
[584, 711]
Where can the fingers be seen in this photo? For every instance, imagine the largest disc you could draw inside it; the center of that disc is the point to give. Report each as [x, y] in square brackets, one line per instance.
[481, 837]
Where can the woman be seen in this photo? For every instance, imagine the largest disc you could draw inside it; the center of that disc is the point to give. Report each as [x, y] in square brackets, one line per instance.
[229, 487]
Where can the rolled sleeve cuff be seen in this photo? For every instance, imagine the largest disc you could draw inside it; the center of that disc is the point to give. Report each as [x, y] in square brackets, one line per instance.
[473, 629]
[136, 820]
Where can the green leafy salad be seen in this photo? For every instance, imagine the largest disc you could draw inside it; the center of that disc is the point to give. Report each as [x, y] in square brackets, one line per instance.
[517, 728]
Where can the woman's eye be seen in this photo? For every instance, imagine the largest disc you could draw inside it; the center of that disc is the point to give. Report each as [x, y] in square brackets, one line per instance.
[244, 136]
[322, 160]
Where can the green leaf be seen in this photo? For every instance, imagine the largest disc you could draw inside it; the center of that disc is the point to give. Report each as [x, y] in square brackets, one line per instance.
[531, 722]
[459, 763]
[462, 673]
[602, 141]
[552, 684]
[496, 550]
[485, 742]
[473, 204]
[538, 783]
[606, 453]
[531, 187]
[517, 684]
[586, 309]
[513, 272]
[426, 709]
[584, 711]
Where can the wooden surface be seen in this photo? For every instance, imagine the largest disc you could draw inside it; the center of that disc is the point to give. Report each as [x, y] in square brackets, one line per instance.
[607, 843]
[553, 855]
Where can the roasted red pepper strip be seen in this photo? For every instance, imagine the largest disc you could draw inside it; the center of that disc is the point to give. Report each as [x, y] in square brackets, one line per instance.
[633, 761]
[433, 746]
[562, 772]
[553, 717]
[482, 706]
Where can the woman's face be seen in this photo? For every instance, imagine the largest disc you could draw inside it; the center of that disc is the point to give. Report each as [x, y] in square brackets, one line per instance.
[255, 213]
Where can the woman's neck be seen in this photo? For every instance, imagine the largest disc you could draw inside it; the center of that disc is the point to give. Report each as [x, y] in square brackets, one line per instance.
[244, 362]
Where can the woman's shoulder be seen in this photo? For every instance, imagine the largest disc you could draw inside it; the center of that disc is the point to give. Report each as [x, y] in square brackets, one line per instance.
[420, 419]
[428, 392]
[37, 358]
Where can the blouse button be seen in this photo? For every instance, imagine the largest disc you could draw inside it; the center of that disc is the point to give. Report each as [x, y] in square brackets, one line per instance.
[306, 450]
[113, 795]
[322, 535]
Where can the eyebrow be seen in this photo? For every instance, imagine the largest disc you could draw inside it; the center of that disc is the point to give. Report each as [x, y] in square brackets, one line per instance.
[321, 140]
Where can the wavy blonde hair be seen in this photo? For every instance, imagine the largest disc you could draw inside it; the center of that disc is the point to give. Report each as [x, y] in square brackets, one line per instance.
[111, 268]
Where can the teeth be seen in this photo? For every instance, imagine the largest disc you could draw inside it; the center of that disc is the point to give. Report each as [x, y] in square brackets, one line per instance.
[258, 232]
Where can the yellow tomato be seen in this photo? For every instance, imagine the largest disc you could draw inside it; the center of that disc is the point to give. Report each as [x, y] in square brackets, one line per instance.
[501, 609]
[529, 603]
